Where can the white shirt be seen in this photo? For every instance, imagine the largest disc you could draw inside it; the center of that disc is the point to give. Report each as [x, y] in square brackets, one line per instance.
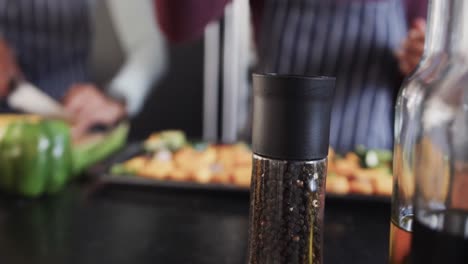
[144, 47]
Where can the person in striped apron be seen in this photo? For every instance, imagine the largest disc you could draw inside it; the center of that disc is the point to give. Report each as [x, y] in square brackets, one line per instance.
[354, 40]
[48, 43]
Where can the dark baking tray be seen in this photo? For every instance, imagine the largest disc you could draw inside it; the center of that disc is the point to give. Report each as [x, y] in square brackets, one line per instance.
[101, 172]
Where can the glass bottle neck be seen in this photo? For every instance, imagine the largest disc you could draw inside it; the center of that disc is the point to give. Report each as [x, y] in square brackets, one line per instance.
[452, 16]
[436, 27]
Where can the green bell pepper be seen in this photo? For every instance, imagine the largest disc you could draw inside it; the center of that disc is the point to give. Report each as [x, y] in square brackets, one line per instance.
[60, 155]
[86, 154]
[33, 165]
[35, 157]
[10, 152]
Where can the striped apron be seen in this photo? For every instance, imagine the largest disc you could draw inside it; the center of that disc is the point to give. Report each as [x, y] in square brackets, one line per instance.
[352, 40]
[51, 41]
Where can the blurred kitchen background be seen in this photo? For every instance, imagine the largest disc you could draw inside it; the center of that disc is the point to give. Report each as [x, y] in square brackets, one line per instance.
[205, 94]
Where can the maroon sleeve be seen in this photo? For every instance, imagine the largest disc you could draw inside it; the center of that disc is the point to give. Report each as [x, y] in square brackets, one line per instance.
[416, 9]
[184, 20]
[256, 7]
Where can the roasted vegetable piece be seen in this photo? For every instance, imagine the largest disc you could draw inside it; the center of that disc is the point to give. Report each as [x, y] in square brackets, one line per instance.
[373, 158]
[169, 139]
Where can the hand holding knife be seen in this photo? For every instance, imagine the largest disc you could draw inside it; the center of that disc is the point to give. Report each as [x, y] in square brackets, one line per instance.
[85, 107]
[25, 97]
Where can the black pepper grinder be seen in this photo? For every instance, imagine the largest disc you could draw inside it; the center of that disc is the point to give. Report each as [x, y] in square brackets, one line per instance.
[291, 127]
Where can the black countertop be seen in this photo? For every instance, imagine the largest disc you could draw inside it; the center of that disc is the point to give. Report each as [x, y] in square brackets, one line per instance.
[123, 225]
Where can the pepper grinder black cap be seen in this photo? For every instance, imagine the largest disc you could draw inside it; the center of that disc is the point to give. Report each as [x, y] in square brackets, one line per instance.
[291, 116]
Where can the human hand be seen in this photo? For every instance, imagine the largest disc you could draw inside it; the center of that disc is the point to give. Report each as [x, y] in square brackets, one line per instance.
[411, 50]
[88, 106]
[8, 68]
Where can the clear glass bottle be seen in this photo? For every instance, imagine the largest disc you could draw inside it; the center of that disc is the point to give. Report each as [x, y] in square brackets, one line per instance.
[440, 225]
[291, 126]
[407, 110]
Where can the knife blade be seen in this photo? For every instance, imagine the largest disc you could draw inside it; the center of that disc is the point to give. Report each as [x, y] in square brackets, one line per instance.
[28, 98]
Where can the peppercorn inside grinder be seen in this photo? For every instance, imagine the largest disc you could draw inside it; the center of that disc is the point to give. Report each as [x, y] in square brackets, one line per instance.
[291, 126]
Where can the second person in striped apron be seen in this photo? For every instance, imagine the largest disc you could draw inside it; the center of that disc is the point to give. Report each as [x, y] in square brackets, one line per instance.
[354, 40]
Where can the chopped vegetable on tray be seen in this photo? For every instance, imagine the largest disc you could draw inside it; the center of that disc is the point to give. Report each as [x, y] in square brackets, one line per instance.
[169, 156]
